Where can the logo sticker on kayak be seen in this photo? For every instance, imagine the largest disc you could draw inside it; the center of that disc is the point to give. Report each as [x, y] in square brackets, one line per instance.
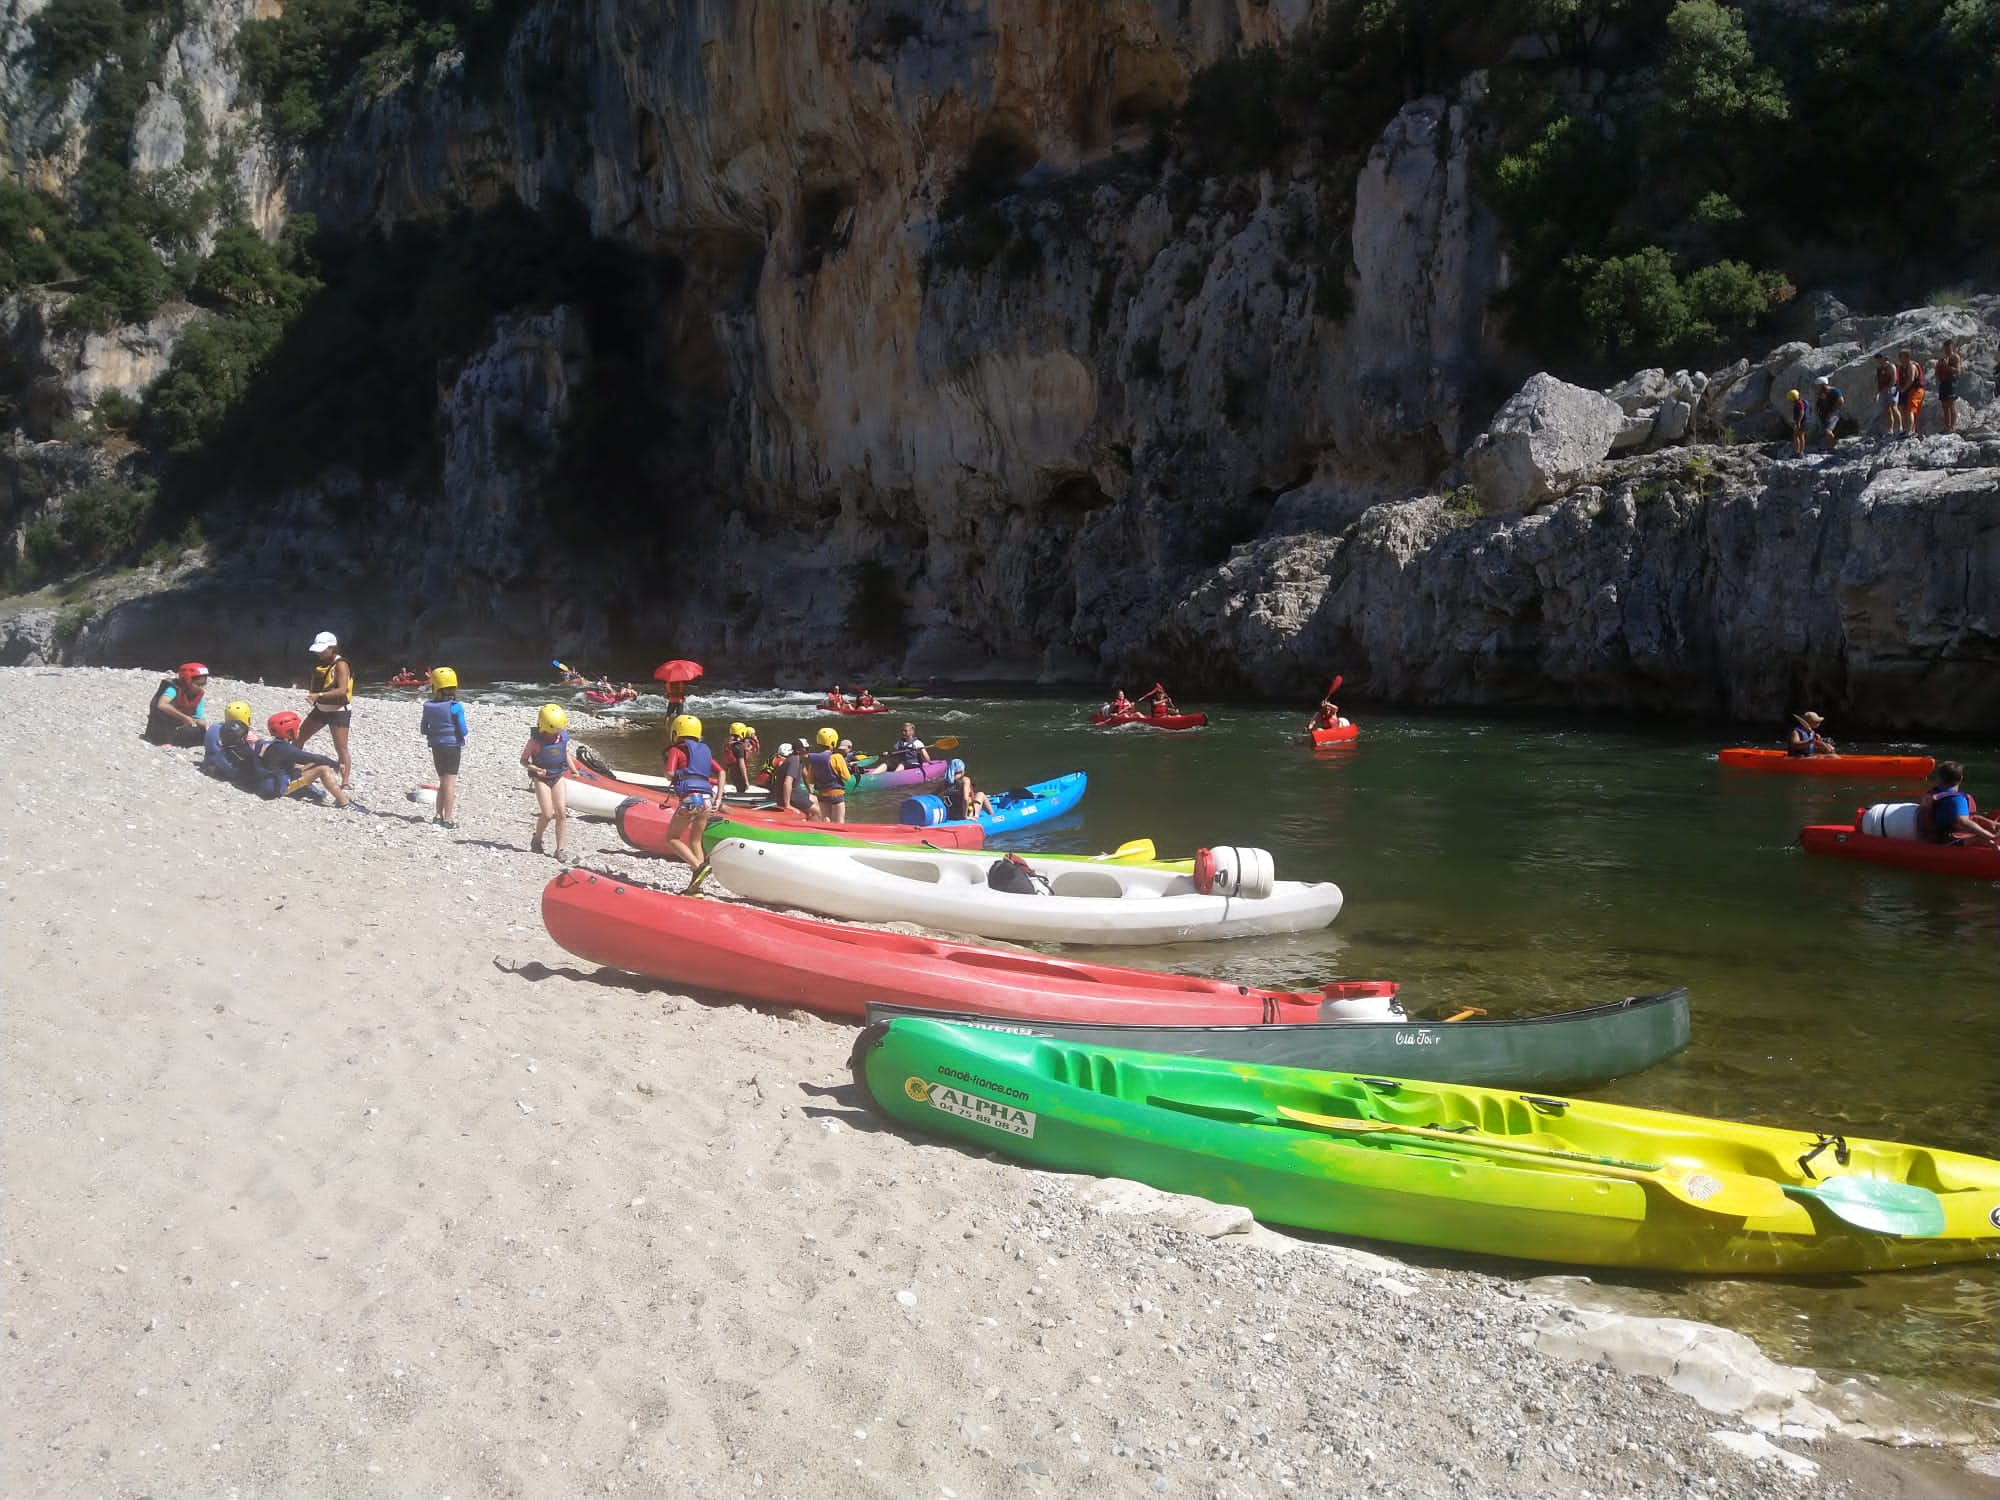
[1424, 1038]
[1701, 1187]
[977, 1108]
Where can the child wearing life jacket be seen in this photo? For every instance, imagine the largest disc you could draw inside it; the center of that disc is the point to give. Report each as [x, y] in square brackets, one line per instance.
[826, 769]
[1945, 815]
[546, 755]
[174, 717]
[445, 728]
[697, 782]
[286, 769]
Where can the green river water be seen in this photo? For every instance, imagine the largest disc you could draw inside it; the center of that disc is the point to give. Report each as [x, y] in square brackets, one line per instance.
[1530, 866]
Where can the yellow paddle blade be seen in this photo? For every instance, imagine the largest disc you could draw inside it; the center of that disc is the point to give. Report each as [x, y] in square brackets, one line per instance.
[945, 742]
[1133, 851]
[1731, 1194]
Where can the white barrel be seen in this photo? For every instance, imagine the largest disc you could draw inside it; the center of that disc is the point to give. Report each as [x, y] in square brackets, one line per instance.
[1247, 873]
[1891, 820]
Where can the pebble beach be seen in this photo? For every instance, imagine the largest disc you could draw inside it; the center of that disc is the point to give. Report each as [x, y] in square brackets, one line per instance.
[326, 1171]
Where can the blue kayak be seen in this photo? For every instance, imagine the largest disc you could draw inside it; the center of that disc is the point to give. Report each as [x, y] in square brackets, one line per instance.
[1023, 807]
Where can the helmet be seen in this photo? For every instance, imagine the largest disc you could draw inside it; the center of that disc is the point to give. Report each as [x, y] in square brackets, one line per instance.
[552, 719]
[235, 731]
[827, 737]
[738, 730]
[685, 727]
[846, 745]
[284, 724]
[750, 731]
[443, 677]
[237, 713]
[785, 749]
[189, 670]
[1791, 395]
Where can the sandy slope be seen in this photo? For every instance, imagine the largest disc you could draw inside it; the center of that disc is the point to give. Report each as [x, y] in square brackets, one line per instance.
[325, 1172]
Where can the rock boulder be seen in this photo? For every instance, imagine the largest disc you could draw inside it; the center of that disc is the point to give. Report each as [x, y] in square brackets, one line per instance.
[1540, 443]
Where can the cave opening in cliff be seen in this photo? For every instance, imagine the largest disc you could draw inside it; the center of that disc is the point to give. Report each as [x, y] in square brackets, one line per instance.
[826, 215]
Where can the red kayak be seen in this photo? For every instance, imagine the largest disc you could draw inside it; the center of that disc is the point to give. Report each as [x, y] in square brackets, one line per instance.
[1979, 861]
[873, 708]
[1340, 734]
[643, 825]
[1157, 721]
[836, 970]
[1868, 767]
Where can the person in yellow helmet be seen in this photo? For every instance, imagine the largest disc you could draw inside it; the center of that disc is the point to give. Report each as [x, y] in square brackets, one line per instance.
[740, 759]
[1797, 409]
[445, 728]
[826, 769]
[546, 755]
[697, 781]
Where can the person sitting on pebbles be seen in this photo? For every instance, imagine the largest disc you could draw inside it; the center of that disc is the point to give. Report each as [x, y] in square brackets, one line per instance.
[290, 770]
[174, 717]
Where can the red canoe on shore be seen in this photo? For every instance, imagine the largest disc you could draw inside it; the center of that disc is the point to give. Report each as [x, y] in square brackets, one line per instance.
[1978, 861]
[1168, 721]
[1869, 767]
[643, 825]
[836, 969]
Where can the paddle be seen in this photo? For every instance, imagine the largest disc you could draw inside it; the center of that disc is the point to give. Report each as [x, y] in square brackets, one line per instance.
[1133, 849]
[1331, 688]
[1877, 1204]
[945, 742]
[1734, 1195]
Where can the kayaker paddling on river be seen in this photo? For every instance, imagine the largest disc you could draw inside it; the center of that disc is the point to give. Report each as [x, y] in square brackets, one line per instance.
[907, 753]
[1328, 716]
[1119, 704]
[1805, 738]
[1945, 815]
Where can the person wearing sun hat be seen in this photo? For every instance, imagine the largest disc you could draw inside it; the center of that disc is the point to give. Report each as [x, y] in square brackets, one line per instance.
[1805, 738]
[174, 717]
[330, 694]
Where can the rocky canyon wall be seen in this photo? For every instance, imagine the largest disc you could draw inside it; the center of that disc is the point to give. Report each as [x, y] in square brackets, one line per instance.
[947, 318]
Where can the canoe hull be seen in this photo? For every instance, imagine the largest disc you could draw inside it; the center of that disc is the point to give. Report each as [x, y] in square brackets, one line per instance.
[837, 970]
[903, 776]
[1975, 861]
[643, 825]
[1340, 734]
[1089, 903]
[1151, 721]
[1570, 1048]
[1097, 1110]
[1853, 767]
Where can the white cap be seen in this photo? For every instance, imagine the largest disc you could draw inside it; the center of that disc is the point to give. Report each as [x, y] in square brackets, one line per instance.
[326, 640]
[786, 748]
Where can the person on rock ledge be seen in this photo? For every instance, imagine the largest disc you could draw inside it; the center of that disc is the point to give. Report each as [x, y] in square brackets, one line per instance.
[1828, 404]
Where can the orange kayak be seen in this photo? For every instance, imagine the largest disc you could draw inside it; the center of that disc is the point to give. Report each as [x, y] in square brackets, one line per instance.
[1913, 767]
[1340, 734]
[1980, 861]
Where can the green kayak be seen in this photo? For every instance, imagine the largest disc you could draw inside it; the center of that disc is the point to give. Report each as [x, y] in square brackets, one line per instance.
[1451, 1166]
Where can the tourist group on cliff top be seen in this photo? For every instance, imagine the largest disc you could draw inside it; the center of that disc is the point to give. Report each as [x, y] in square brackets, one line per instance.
[1899, 399]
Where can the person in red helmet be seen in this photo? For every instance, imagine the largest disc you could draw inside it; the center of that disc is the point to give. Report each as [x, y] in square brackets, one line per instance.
[290, 771]
[174, 717]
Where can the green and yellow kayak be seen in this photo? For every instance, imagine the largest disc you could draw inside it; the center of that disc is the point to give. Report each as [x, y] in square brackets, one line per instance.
[1454, 1167]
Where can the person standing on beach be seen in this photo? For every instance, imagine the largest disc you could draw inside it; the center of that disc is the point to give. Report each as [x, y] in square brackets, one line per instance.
[330, 693]
[445, 727]
[697, 780]
[1888, 400]
[174, 716]
[1945, 372]
[546, 755]
[1910, 381]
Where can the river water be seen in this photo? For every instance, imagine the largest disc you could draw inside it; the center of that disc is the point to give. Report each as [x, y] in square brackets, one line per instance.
[1531, 866]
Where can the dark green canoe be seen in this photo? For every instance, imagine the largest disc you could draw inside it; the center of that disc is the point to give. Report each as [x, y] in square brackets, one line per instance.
[1568, 1048]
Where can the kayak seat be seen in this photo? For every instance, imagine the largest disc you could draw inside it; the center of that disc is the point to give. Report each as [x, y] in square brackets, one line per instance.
[1087, 883]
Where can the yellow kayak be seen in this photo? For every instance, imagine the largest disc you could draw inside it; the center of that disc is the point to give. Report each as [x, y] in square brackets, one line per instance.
[1493, 1171]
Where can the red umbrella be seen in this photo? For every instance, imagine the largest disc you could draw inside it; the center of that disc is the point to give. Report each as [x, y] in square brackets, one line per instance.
[677, 671]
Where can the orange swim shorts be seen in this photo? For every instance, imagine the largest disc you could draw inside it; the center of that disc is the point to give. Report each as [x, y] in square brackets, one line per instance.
[1913, 402]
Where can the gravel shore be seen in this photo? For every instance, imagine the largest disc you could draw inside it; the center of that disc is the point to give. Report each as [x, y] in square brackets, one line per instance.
[327, 1172]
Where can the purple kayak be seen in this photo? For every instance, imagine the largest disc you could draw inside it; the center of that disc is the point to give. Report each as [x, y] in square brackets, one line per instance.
[930, 770]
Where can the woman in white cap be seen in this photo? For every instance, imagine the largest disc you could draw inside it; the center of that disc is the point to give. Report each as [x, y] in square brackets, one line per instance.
[330, 695]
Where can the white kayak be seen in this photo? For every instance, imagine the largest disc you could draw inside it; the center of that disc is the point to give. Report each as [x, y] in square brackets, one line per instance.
[1080, 903]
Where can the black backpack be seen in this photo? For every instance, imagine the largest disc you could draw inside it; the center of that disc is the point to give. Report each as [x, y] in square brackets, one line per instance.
[1010, 873]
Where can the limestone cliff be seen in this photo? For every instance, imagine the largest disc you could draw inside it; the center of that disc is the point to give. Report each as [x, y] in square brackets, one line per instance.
[944, 322]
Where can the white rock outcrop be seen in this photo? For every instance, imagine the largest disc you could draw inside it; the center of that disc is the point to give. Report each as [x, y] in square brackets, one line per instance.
[1548, 435]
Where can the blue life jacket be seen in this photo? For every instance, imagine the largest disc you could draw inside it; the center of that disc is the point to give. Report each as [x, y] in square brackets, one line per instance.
[905, 753]
[1947, 806]
[819, 767]
[214, 759]
[444, 723]
[551, 756]
[1805, 746]
[697, 777]
[276, 767]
